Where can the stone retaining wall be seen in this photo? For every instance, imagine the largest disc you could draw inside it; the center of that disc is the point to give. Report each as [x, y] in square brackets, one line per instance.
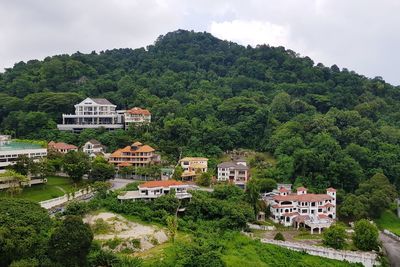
[368, 259]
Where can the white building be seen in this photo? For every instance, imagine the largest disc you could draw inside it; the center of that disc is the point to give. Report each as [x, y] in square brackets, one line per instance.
[154, 189]
[11, 150]
[316, 211]
[93, 148]
[136, 116]
[236, 172]
[92, 113]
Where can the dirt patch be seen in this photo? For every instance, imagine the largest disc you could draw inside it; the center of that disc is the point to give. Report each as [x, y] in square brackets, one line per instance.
[121, 235]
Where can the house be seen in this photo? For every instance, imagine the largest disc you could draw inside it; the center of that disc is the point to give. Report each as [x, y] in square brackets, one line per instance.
[94, 148]
[135, 155]
[136, 116]
[192, 166]
[315, 211]
[92, 113]
[154, 189]
[10, 150]
[61, 147]
[236, 172]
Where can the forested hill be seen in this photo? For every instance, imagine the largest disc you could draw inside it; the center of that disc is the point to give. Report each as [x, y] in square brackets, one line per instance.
[324, 125]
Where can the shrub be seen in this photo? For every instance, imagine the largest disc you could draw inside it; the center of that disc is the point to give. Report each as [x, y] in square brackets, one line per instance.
[113, 243]
[279, 236]
[100, 227]
[135, 243]
[335, 236]
[365, 235]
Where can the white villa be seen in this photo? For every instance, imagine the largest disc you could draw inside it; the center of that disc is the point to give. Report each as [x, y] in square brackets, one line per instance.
[92, 113]
[154, 189]
[136, 116]
[99, 112]
[93, 148]
[236, 172]
[10, 151]
[301, 209]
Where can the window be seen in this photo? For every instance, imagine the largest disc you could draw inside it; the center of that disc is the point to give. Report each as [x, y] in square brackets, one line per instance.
[304, 211]
[319, 210]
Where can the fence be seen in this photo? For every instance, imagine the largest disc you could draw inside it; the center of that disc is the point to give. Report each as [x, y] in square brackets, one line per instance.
[368, 259]
[51, 203]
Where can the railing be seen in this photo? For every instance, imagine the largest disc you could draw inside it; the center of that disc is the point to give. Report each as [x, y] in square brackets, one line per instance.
[51, 203]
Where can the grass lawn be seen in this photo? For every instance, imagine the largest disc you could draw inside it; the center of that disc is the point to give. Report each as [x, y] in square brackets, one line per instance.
[53, 188]
[389, 221]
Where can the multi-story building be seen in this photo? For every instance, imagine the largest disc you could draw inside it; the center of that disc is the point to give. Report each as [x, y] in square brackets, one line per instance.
[10, 151]
[61, 147]
[92, 113]
[136, 116]
[301, 209]
[236, 172]
[154, 189]
[135, 155]
[93, 148]
[192, 166]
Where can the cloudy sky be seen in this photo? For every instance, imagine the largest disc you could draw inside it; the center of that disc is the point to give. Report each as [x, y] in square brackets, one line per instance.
[356, 34]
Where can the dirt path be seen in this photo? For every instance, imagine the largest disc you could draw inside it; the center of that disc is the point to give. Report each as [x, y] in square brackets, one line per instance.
[392, 248]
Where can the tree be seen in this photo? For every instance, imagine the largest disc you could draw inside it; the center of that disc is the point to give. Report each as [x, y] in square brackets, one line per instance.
[365, 235]
[204, 179]
[14, 180]
[70, 242]
[101, 170]
[172, 226]
[335, 236]
[177, 173]
[42, 169]
[23, 164]
[76, 164]
[253, 194]
[24, 230]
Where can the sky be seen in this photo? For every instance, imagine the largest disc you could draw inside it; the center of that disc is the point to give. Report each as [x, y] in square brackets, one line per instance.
[358, 35]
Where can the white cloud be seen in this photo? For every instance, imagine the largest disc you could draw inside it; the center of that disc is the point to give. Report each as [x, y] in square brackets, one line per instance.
[251, 32]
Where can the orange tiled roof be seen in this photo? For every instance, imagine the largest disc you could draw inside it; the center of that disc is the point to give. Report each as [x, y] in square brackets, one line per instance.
[138, 111]
[304, 198]
[301, 189]
[167, 183]
[283, 190]
[330, 189]
[140, 148]
[124, 164]
[61, 145]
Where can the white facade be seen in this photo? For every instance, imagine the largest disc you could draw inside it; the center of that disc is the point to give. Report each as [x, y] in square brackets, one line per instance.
[92, 147]
[92, 113]
[236, 172]
[156, 189]
[136, 116]
[194, 163]
[301, 208]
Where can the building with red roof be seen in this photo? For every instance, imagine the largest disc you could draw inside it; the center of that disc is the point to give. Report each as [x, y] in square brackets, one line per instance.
[136, 116]
[316, 211]
[61, 147]
[154, 189]
[135, 155]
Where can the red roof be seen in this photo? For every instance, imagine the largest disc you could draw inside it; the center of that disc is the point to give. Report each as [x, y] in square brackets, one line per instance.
[301, 189]
[167, 183]
[329, 205]
[304, 198]
[283, 189]
[61, 145]
[330, 189]
[138, 111]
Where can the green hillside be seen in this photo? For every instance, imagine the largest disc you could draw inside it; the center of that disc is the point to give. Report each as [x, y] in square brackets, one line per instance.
[326, 126]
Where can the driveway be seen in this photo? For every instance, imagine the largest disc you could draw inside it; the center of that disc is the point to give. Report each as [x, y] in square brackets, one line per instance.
[118, 183]
[392, 248]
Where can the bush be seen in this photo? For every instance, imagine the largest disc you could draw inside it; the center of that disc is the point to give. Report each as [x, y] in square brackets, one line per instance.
[76, 208]
[100, 227]
[279, 236]
[335, 236]
[365, 235]
[135, 243]
[113, 243]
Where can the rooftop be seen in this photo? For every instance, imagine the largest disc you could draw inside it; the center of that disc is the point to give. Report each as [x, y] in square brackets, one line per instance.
[61, 145]
[233, 164]
[138, 111]
[194, 159]
[166, 183]
[304, 198]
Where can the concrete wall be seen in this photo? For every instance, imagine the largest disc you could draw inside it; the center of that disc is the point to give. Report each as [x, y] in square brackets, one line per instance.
[261, 227]
[54, 202]
[368, 259]
[392, 235]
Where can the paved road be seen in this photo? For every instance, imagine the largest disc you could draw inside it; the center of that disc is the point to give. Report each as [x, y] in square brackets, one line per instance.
[118, 183]
[392, 248]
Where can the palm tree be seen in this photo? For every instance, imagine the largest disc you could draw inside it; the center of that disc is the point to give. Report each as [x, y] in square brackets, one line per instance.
[14, 180]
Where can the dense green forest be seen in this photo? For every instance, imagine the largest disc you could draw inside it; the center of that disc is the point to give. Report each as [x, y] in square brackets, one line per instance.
[326, 126]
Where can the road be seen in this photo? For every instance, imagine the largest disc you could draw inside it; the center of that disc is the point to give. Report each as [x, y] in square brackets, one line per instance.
[392, 248]
[118, 183]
